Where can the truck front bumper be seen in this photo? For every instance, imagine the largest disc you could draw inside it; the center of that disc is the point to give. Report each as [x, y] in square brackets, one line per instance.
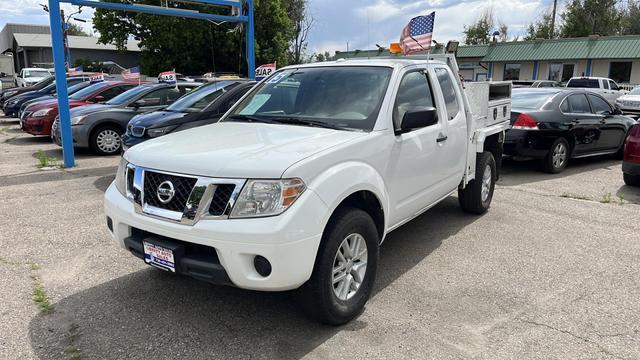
[289, 241]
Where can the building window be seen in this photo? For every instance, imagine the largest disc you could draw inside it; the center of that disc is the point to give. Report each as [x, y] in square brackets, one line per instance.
[511, 72]
[555, 71]
[620, 71]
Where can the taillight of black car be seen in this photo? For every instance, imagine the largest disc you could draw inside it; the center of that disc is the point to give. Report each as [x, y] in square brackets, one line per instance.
[525, 122]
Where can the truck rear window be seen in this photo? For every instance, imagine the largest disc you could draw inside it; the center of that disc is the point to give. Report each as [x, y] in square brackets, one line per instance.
[583, 83]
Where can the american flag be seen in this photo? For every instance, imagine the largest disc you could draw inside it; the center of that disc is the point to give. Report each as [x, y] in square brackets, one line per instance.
[416, 36]
[131, 74]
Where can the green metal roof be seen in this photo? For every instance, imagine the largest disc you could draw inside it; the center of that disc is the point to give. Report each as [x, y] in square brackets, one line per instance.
[610, 47]
[472, 51]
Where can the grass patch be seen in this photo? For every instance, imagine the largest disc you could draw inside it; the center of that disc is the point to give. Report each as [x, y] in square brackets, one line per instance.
[621, 198]
[575, 196]
[45, 161]
[72, 350]
[40, 297]
[606, 198]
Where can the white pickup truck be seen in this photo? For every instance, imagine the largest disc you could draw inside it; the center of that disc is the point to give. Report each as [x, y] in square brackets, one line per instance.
[299, 183]
[606, 87]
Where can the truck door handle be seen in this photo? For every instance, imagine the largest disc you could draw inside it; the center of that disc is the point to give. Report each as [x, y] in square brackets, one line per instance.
[442, 138]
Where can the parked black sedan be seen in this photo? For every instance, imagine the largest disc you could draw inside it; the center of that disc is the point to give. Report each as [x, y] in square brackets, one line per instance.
[100, 126]
[555, 125]
[200, 107]
[11, 92]
[12, 106]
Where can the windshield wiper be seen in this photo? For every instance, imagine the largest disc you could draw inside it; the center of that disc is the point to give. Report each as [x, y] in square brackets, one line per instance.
[250, 118]
[307, 122]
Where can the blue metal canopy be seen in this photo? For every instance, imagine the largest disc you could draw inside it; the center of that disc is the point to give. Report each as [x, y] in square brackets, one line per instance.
[59, 52]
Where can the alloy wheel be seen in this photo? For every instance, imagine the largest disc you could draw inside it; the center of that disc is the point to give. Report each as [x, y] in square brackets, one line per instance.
[486, 183]
[559, 155]
[349, 266]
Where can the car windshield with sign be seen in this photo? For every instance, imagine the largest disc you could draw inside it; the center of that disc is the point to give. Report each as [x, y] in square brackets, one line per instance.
[347, 97]
[200, 98]
[86, 92]
[128, 95]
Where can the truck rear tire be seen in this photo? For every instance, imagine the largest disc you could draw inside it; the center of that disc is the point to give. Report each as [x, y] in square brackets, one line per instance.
[345, 268]
[476, 197]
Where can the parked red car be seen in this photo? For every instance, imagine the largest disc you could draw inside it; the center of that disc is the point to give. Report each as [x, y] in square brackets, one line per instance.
[631, 160]
[38, 117]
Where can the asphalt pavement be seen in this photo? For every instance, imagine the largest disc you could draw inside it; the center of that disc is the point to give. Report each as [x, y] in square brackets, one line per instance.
[552, 271]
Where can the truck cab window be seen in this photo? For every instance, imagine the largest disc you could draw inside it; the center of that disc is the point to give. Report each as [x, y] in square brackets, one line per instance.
[448, 92]
[414, 91]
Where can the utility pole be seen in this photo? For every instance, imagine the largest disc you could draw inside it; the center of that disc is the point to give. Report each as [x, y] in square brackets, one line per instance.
[553, 19]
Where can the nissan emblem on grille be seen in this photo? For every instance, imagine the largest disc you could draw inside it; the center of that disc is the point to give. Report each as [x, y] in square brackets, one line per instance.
[165, 192]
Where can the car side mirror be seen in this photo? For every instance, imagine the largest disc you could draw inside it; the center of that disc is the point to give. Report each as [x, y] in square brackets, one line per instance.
[616, 111]
[98, 99]
[417, 118]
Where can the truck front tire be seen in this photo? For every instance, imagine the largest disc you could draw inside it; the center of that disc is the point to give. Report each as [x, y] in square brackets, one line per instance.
[345, 268]
[476, 197]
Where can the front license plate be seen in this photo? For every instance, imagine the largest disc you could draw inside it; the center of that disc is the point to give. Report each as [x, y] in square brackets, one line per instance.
[159, 256]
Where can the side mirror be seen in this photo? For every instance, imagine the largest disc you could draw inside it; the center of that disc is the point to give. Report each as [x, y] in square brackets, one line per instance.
[417, 118]
[98, 99]
[616, 111]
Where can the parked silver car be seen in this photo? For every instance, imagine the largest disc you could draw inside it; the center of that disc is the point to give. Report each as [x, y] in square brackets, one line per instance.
[630, 103]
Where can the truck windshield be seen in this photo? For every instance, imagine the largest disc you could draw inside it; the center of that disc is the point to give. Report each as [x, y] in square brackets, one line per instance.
[635, 91]
[36, 73]
[583, 83]
[337, 97]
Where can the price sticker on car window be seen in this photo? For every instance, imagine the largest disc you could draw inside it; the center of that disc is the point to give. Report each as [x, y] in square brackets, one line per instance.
[278, 77]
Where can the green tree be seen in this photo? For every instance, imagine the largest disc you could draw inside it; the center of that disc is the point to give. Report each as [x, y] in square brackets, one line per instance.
[195, 46]
[479, 32]
[541, 29]
[629, 22]
[302, 22]
[76, 30]
[586, 17]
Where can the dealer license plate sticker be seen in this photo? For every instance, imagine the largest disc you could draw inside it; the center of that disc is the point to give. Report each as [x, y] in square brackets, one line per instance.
[159, 256]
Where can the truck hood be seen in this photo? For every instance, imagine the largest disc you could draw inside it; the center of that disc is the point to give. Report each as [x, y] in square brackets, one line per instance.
[236, 150]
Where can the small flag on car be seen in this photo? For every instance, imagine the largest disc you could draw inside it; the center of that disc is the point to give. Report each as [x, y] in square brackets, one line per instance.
[416, 36]
[131, 74]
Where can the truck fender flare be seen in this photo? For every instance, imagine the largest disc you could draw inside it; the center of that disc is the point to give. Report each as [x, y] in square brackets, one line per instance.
[338, 182]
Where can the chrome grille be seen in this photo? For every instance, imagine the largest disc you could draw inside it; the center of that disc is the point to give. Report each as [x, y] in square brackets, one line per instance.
[220, 200]
[182, 185]
[194, 197]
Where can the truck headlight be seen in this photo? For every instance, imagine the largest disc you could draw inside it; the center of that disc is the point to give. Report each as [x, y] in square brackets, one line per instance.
[78, 120]
[41, 112]
[121, 177]
[160, 131]
[267, 197]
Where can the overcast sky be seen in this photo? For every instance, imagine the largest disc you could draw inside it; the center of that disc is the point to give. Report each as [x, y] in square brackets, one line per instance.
[362, 23]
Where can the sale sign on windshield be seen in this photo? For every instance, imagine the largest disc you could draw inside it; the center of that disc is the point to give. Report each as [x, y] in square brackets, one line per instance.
[265, 70]
[168, 77]
[96, 78]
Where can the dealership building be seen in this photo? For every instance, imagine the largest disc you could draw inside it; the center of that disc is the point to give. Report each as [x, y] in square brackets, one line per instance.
[30, 46]
[616, 57]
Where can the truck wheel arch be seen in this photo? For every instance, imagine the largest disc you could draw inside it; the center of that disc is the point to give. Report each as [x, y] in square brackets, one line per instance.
[368, 202]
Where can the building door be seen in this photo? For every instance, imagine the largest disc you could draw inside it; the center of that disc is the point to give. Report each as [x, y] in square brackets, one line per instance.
[567, 72]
